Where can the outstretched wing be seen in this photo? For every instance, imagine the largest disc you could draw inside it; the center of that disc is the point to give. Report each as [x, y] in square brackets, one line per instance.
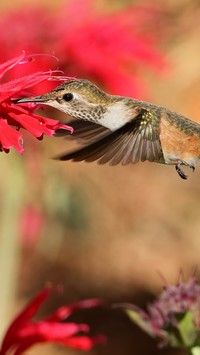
[138, 140]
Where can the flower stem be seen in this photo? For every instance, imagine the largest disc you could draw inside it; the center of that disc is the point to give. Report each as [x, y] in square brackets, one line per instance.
[11, 202]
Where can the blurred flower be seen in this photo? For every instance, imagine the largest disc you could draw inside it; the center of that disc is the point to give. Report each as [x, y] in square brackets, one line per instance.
[31, 223]
[25, 332]
[13, 117]
[110, 48]
[107, 47]
[174, 318]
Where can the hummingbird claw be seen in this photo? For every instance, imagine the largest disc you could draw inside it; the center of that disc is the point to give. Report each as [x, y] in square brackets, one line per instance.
[180, 171]
[189, 166]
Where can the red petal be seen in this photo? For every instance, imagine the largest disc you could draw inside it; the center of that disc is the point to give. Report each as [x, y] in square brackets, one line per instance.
[9, 137]
[23, 332]
[78, 342]
[63, 127]
[12, 87]
[52, 331]
[10, 64]
[64, 312]
[34, 124]
[23, 318]
[83, 342]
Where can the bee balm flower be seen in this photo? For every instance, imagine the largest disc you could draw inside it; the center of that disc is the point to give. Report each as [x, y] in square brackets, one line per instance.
[24, 332]
[14, 117]
[173, 318]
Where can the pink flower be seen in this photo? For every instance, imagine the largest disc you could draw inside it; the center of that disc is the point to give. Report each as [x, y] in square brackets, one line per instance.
[173, 318]
[25, 332]
[13, 117]
[31, 223]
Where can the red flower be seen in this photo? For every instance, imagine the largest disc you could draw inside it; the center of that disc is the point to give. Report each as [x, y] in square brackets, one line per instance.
[13, 117]
[112, 48]
[24, 332]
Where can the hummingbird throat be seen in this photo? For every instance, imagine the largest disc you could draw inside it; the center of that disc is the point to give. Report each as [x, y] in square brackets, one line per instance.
[116, 116]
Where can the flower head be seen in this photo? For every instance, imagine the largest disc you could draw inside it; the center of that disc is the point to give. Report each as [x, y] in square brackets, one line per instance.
[174, 317]
[112, 48]
[13, 117]
[25, 332]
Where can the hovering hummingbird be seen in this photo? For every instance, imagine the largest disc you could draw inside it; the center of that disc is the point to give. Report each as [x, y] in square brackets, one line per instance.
[124, 130]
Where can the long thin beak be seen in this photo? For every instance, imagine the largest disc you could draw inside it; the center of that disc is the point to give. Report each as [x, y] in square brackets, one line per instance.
[24, 100]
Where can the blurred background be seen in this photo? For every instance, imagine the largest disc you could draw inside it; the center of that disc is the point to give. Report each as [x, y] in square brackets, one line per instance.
[117, 233]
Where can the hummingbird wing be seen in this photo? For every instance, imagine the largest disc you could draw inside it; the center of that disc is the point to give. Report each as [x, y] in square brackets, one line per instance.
[84, 131]
[138, 140]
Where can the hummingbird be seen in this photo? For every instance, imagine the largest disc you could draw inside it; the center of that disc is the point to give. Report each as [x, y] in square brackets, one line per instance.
[116, 129]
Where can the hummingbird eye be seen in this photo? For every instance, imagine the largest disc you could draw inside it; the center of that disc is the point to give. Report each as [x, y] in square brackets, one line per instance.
[68, 97]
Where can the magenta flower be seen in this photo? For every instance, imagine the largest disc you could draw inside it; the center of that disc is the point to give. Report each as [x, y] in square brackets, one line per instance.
[24, 332]
[173, 318]
[13, 117]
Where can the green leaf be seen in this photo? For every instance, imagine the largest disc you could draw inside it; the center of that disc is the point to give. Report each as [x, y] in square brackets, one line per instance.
[140, 322]
[174, 338]
[145, 325]
[187, 329]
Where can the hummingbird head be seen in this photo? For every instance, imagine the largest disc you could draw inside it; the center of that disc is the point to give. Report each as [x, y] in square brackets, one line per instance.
[78, 98]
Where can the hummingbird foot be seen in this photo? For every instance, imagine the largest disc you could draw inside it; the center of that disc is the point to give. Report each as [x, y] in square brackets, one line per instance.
[180, 171]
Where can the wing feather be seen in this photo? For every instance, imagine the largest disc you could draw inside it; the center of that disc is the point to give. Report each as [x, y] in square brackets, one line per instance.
[84, 131]
[138, 140]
